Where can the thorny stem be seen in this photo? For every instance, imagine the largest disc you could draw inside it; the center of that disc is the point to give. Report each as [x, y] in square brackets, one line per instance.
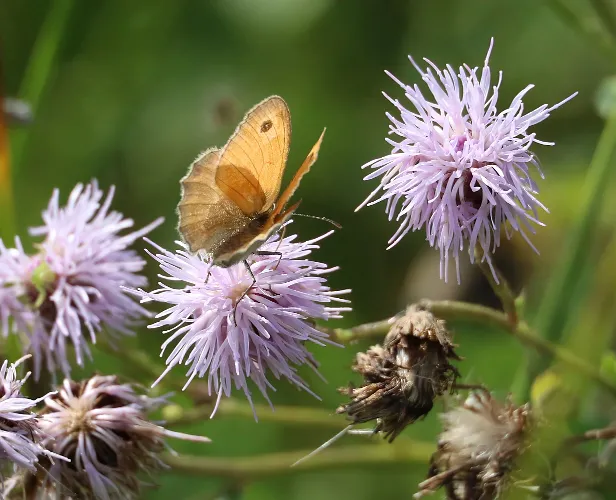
[501, 287]
[261, 466]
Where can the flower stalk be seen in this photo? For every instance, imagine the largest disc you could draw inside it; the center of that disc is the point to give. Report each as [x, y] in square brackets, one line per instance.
[557, 306]
[230, 407]
[275, 464]
[499, 285]
[454, 310]
[174, 415]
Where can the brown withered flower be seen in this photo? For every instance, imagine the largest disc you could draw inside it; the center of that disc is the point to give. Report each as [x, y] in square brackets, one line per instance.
[404, 376]
[477, 449]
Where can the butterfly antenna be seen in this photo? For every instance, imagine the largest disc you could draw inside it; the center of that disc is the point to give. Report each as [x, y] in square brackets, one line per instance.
[326, 444]
[333, 223]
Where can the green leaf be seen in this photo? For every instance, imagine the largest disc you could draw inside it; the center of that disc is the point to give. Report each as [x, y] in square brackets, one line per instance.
[608, 365]
[605, 100]
[559, 301]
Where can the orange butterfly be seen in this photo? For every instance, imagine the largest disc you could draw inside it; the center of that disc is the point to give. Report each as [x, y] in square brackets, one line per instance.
[230, 204]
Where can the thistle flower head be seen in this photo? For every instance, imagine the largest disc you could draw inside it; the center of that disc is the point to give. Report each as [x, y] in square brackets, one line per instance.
[404, 376]
[477, 448]
[16, 267]
[70, 290]
[460, 167]
[233, 328]
[102, 426]
[20, 435]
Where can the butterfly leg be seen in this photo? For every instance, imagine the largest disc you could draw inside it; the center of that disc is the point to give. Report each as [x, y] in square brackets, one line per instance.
[209, 271]
[245, 292]
[279, 254]
[265, 252]
[284, 231]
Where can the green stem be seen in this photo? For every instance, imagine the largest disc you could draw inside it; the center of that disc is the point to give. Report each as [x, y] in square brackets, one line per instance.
[228, 407]
[452, 310]
[501, 287]
[557, 307]
[366, 330]
[273, 464]
[40, 64]
[295, 415]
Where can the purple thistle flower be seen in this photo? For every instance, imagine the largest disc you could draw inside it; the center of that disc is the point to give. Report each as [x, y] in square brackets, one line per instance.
[460, 167]
[231, 339]
[20, 435]
[15, 270]
[71, 289]
[103, 427]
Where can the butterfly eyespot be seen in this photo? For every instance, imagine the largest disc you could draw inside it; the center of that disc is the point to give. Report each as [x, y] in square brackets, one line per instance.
[266, 125]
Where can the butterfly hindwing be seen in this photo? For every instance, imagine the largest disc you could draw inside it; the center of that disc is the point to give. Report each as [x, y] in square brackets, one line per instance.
[207, 216]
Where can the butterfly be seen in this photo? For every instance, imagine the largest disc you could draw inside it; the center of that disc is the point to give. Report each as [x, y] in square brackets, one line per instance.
[230, 203]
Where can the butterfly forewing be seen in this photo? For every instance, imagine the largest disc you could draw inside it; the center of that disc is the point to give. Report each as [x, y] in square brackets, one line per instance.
[252, 162]
[228, 196]
[301, 171]
[207, 216]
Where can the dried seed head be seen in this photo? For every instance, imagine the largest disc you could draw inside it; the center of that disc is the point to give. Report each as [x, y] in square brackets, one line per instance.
[404, 376]
[477, 448]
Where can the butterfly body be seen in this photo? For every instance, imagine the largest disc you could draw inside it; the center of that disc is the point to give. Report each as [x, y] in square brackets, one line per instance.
[230, 203]
[247, 238]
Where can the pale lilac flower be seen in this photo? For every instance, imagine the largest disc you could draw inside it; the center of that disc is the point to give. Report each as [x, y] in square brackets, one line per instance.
[20, 435]
[232, 329]
[459, 166]
[103, 427]
[15, 270]
[18, 314]
[70, 290]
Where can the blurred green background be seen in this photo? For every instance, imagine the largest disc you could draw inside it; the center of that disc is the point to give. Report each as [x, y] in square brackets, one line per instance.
[135, 90]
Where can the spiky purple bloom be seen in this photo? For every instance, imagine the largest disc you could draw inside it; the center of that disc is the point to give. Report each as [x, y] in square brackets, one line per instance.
[460, 167]
[231, 337]
[103, 427]
[20, 434]
[70, 290]
[15, 270]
